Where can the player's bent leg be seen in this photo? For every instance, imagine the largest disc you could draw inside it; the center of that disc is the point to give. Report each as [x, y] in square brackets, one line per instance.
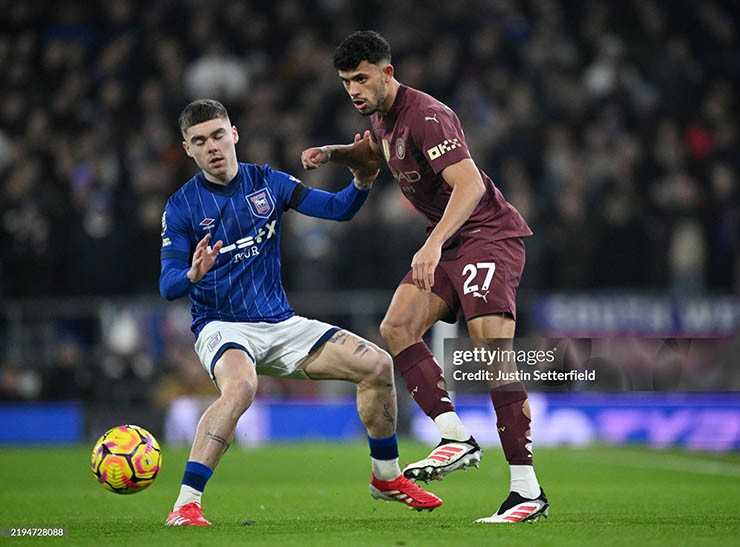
[236, 378]
[411, 313]
[346, 356]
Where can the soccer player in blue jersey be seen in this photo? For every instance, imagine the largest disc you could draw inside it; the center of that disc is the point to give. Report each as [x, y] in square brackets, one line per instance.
[220, 246]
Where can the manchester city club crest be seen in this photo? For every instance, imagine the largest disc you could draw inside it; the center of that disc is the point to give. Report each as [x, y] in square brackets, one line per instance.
[400, 149]
[261, 203]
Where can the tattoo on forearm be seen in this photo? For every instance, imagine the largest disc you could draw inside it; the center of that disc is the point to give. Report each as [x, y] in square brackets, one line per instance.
[218, 439]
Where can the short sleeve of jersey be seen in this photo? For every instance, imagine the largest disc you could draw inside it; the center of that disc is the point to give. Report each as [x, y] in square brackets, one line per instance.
[282, 185]
[175, 233]
[440, 136]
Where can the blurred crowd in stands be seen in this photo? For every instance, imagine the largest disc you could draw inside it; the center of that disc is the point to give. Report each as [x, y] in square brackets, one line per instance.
[612, 126]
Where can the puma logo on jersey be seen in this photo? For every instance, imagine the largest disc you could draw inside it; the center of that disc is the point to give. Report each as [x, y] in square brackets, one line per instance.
[484, 296]
[431, 118]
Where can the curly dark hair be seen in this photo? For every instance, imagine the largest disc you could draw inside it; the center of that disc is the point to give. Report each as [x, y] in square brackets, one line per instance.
[363, 45]
[201, 111]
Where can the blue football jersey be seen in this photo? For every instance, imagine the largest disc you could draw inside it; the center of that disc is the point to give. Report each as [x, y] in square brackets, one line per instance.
[245, 282]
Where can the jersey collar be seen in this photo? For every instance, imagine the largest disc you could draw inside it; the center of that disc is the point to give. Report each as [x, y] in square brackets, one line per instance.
[222, 189]
[396, 106]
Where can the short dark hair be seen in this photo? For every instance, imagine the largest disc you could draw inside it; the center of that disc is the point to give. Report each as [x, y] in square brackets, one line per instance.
[201, 111]
[363, 45]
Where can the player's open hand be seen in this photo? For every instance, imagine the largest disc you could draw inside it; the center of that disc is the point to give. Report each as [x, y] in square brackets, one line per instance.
[203, 258]
[424, 263]
[311, 158]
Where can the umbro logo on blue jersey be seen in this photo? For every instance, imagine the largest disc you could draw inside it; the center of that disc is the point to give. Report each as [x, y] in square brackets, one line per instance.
[207, 223]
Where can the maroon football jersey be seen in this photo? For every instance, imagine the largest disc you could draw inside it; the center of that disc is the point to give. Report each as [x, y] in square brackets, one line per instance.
[419, 137]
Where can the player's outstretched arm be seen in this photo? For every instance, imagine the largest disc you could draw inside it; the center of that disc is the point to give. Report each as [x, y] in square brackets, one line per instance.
[339, 206]
[361, 154]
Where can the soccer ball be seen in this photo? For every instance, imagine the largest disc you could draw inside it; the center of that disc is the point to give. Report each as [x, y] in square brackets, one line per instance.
[126, 459]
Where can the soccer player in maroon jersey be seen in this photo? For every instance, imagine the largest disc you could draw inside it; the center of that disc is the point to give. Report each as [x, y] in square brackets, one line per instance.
[470, 264]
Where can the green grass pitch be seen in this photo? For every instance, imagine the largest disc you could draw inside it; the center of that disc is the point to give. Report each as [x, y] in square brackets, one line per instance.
[316, 494]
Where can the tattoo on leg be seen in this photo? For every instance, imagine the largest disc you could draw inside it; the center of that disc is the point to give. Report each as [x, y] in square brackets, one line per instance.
[218, 439]
[339, 337]
[387, 413]
[361, 349]
[343, 337]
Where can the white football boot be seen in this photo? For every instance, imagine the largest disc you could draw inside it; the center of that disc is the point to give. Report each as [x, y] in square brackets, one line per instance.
[448, 456]
[517, 508]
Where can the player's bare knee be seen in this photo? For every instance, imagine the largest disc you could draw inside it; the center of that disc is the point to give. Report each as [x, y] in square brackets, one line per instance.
[388, 329]
[397, 333]
[384, 368]
[239, 394]
[379, 371]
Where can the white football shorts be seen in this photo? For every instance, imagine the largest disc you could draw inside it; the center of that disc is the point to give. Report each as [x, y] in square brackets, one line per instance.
[277, 349]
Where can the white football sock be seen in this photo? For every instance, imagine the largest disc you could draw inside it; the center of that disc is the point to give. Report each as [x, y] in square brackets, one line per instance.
[386, 470]
[524, 481]
[187, 494]
[450, 427]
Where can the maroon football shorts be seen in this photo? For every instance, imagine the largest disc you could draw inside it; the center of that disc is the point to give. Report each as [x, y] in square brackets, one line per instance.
[481, 281]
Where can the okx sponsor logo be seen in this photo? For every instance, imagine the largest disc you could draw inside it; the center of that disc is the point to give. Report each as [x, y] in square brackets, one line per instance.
[246, 247]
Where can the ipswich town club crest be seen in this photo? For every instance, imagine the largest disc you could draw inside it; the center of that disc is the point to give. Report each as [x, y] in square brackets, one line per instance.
[260, 203]
[213, 340]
